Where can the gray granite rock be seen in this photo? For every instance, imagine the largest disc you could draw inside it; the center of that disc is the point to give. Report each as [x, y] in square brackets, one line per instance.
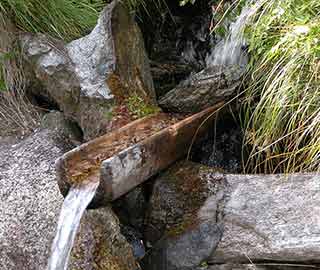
[204, 89]
[85, 77]
[57, 122]
[30, 200]
[271, 218]
[29, 208]
[200, 217]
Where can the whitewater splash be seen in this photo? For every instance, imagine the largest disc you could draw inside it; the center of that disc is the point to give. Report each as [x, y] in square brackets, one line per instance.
[229, 51]
[73, 207]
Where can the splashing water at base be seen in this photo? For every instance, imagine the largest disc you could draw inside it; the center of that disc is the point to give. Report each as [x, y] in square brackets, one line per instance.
[229, 51]
[73, 207]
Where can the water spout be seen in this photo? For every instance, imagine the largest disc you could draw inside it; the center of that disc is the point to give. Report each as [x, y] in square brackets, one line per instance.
[119, 170]
[73, 207]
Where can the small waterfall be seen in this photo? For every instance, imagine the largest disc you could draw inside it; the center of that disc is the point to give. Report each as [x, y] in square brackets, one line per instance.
[229, 51]
[73, 207]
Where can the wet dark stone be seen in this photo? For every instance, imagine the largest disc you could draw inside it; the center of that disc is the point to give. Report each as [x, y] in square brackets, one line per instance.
[134, 238]
[131, 208]
[183, 229]
[222, 146]
[177, 41]
[203, 89]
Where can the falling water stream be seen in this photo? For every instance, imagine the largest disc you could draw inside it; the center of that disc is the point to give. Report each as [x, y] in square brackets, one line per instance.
[229, 51]
[73, 207]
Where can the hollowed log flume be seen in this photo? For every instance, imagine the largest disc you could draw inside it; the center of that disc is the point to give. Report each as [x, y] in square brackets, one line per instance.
[129, 156]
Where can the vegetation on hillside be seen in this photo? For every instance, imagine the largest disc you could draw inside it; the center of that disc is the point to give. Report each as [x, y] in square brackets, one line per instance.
[283, 97]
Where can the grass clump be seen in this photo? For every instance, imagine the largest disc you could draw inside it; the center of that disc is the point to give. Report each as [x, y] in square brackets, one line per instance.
[63, 19]
[282, 105]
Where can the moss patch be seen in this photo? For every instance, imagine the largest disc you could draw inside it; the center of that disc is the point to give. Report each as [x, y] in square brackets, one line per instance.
[177, 198]
[139, 108]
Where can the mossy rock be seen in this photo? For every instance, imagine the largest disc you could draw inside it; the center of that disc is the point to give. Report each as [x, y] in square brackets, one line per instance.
[100, 245]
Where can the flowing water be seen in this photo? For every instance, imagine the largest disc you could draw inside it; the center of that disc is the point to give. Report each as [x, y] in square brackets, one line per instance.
[73, 207]
[229, 51]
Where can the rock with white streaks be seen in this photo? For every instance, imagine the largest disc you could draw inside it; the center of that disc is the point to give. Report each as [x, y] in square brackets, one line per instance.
[87, 76]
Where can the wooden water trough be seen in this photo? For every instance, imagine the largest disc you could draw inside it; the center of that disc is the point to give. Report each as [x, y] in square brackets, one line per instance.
[125, 158]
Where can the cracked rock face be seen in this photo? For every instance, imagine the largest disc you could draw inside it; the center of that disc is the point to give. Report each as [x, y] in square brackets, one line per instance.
[29, 208]
[85, 77]
[200, 217]
[204, 89]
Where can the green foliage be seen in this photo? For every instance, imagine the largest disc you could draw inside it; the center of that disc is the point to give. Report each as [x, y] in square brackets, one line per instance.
[109, 115]
[223, 14]
[3, 58]
[64, 19]
[282, 103]
[2, 82]
[139, 108]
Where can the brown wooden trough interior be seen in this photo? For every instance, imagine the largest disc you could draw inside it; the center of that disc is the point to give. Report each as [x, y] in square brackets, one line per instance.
[130, 155]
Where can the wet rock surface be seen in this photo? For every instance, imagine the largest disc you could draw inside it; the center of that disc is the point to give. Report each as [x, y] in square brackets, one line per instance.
[179, 228]
[221, 148]
[199, 217]
[30, 205]
[100, 245]
[177, 41]
[131, 209]
[85, 77]
[204, 89]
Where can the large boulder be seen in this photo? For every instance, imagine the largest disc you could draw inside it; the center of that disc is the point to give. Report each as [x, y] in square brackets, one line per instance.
[30, 205]
[203, 89]
[86, 77]
[199, 217]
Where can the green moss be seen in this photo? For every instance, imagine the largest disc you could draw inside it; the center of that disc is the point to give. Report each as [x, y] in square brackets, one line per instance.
[204, 264]
[109, 115]
[187, 223]
[185, 180]
[139, 108]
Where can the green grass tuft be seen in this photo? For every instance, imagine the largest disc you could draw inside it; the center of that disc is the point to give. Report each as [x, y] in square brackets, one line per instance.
[63, 19]
[282, 105]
